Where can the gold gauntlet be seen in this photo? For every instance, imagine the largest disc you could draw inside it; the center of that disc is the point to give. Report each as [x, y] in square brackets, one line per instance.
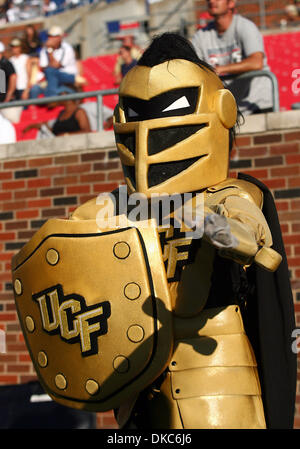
[245, 235]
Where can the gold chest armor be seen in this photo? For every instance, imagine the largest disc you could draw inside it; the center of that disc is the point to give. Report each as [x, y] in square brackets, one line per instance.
[211, 381]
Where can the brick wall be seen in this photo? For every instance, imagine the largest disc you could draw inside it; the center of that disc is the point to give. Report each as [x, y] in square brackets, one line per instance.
[40, 180]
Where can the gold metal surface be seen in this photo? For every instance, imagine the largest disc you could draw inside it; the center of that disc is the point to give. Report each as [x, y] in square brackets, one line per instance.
[268, 258]
[18, 287]
[241, 202]
[135, 333]
[216, 108]
[121, 250]
[60, 381]
[52, 256]
[84, 323]
[132, 291]
[215, 350]
[147, 82]
[42, 359]
[212, 382]
[92, 387]
[121, 364]
[240, 188]
[29, 323]
[222, 412]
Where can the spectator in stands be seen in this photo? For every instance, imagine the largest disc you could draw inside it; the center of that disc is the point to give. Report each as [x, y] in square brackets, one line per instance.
[293, 11]
[136, 52]
[49, 7]
[10, 76]
[204, 18]
[233, 45]
[72, 3]
[80, 68]
[22, 66]
[71, 120]
[128, 61]
[33, 44]
[90, 108]
[58, 62]
[8, 132]
[32, 41]
[12, 12]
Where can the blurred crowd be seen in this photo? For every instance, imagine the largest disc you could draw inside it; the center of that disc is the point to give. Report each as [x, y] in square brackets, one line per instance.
[12, 11]
[35, 66]
[128, 55]
[45, 64]
[293, 11]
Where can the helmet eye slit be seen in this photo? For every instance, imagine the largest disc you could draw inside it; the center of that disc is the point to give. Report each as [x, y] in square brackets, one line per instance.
[175, 102]
[162, 138]
[159, 173]
[128, 140]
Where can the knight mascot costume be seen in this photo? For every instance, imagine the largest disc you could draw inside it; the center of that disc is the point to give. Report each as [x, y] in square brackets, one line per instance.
[171, 329]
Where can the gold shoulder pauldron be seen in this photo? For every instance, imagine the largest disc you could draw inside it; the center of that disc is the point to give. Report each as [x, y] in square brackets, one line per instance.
[236, 187]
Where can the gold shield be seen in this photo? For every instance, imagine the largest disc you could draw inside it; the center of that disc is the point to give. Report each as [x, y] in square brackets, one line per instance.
[95, 311]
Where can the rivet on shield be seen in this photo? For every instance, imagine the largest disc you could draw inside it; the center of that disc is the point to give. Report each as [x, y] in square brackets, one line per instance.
[29, 323]
[135, 333]
[52, 256]
[18, 287]
[42, 359]
[60, 381]
[121, 250]
[132, 291]
[121, 364]
[92, 387]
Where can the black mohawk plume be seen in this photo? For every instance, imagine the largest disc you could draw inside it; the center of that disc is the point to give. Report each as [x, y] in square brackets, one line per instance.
[169, 46]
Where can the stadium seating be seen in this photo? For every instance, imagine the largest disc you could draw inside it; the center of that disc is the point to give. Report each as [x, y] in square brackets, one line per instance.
[98, 72]
[283, 51]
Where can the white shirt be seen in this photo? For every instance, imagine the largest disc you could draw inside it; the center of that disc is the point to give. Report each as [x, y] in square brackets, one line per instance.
[65, 55]
[8, 132]
[238, 42]
[19, 63]
[49, 8]
[13, 14]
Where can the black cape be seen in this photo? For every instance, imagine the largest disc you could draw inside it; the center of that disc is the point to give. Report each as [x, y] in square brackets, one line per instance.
[269, 323]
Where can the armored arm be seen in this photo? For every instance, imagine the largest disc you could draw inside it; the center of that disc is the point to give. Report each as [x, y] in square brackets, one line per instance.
[235, 224]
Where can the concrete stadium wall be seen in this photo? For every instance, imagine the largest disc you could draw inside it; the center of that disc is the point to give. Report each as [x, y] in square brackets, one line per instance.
[50, 178]
[87, 25]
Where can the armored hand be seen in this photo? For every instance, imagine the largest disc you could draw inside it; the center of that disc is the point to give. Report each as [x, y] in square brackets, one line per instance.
[238, 228]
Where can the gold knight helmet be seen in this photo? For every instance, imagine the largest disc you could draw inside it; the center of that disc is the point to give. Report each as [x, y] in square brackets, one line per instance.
[174, 122]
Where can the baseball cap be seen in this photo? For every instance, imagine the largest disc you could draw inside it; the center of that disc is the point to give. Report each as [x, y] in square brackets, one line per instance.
[55, 31]
[2, 47]
[15, 42]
